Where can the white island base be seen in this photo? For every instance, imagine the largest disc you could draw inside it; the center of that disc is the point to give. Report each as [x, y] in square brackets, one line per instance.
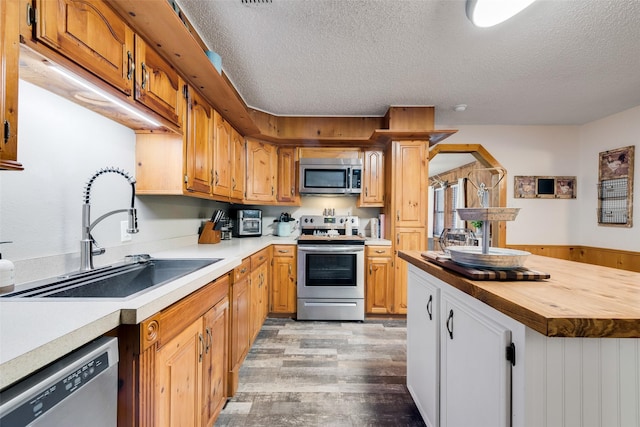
[459, 375]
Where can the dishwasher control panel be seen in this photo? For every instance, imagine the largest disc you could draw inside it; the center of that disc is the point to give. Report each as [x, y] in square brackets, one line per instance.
[56, 384]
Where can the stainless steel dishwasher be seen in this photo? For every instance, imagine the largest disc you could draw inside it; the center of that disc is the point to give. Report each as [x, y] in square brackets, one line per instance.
[80, 389]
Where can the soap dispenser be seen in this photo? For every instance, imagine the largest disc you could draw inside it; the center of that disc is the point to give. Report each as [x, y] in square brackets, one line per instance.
[7, 274]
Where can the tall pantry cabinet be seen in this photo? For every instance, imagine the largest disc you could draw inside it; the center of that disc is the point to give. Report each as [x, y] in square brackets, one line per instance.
[406, 209]
[406, 177]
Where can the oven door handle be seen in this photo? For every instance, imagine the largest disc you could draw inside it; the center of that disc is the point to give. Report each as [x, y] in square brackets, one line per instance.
[332, 249]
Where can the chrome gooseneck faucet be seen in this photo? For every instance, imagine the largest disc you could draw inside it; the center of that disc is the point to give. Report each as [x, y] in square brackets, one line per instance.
[86, 244]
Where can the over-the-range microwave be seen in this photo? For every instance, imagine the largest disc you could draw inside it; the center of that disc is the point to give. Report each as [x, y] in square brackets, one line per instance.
[330, 176]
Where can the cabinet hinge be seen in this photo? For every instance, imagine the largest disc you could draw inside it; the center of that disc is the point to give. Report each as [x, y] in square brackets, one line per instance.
[32, 17]
[6, 132]
[511, 354]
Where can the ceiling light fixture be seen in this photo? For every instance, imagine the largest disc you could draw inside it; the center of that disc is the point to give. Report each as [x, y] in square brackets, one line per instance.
[487, 13]
[460, 108]
[80, 82]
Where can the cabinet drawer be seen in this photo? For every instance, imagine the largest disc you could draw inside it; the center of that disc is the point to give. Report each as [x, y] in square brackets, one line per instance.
[168, 323]
[284, 250]
[242, 271]
[378, 251]
[259, 258]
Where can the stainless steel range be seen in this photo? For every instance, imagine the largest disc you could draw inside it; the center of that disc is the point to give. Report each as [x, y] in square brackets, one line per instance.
[330, 269]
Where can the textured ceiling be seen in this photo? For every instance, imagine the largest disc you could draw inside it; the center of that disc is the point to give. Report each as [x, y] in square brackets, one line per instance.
[559, 62]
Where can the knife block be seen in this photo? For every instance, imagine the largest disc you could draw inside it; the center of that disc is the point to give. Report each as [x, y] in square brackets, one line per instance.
[209, 235]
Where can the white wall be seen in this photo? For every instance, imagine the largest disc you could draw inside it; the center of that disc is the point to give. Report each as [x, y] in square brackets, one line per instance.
[616, 131]
[560, 151]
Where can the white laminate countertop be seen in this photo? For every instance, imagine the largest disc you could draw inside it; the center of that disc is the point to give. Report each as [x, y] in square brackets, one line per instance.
[34, 333]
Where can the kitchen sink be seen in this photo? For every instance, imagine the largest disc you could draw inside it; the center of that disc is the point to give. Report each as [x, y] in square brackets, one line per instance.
[120, 281]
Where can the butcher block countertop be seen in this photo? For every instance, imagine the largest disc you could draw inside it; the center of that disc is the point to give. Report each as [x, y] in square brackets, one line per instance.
[578, 300]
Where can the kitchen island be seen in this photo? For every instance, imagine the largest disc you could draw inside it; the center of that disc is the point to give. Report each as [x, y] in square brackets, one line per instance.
[556, 352]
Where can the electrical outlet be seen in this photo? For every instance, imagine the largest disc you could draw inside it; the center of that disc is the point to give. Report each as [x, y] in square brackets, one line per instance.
[124, 236]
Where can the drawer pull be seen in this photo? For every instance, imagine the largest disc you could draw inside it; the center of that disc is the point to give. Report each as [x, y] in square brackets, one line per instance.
[380, 251]
[450, 324]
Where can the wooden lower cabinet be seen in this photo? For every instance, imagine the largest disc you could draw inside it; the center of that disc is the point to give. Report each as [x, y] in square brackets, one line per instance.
[178, 379]
[406, 239]
[259, 284]
[173, 365]
[378, 279]
[283, 280]
[240, 296]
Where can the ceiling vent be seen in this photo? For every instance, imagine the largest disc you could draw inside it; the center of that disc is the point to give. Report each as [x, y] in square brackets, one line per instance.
[255, 1]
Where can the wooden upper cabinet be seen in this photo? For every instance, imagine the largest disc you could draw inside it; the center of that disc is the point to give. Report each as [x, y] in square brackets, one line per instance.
[89, 33]
[372, 179]
[9, 52]
[221, 156]
[287, 191]
[409, 188]
[238, 165]
[261, 171]
[198, 141]
[158, 85]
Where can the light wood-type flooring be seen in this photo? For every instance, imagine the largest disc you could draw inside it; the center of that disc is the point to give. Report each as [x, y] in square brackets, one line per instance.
[303, 373]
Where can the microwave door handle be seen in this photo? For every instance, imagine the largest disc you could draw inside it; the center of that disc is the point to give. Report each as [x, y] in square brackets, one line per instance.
[348, 178]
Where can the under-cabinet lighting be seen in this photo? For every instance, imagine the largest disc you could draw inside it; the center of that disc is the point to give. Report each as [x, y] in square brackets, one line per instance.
[104, 95]
[487, 13]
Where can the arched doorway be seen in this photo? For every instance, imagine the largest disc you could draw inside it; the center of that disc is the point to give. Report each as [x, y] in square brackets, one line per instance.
[486, 160]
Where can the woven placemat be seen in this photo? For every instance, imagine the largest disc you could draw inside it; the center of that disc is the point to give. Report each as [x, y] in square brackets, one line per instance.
[480, 273]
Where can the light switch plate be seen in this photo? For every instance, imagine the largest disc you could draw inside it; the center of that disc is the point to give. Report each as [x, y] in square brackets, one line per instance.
[124, 236]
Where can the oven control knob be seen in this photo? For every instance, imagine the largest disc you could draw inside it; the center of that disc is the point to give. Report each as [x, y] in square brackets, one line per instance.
[341, 220]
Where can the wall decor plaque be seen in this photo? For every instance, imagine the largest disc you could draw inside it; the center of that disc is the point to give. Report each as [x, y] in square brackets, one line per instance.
[615, 187]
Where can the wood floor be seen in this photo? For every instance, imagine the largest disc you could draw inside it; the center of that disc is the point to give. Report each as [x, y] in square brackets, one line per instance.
[302, 373]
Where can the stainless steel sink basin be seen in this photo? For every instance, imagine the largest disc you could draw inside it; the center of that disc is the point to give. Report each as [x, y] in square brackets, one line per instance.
[120, 281]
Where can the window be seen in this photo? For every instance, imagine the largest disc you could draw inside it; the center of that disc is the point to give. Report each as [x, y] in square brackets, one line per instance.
[438, 211]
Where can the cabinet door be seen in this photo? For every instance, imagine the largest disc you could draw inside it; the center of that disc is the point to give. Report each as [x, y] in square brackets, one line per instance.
[9, 52]
[287, 191]
[283, 283]
[379, 281]
[89, 33]
[158, 85]
[423, 346]
[215, 363]
[240, 321]
[409, 189]
[372, 179]
[473, 351]
[261, 171]
[198, 144]
[238, 164]
[178, 373]
[258, 285]
[221, 156]
[407, 239]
